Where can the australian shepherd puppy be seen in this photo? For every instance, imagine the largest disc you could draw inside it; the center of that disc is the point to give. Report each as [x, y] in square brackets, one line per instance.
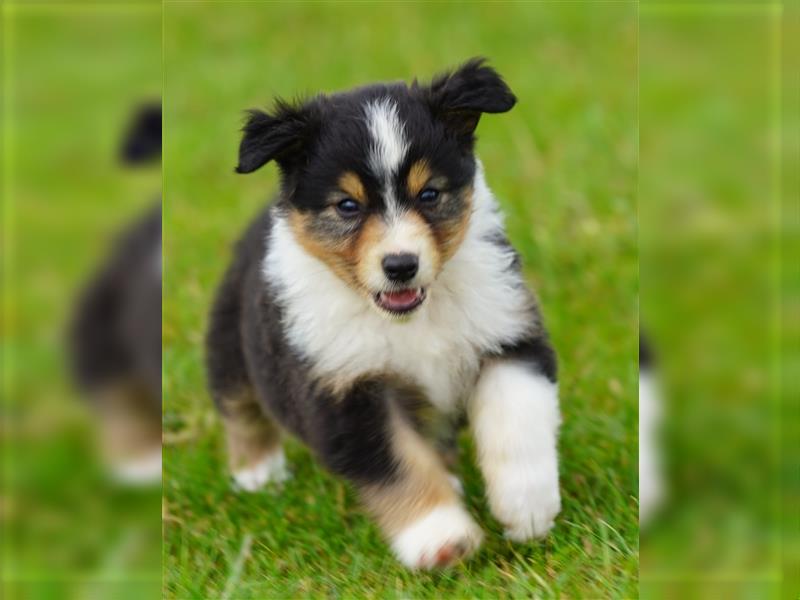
[375, 303]
[114, 344]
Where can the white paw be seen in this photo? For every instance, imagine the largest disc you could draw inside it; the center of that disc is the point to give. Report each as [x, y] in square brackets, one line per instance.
[651, 485]
[144, 470]
[515, 417]
[651, 491]
[271, 469]
[444, 536]
[525, 498]
[456, 484]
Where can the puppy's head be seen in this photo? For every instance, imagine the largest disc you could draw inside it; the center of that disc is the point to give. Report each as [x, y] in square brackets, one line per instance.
[377, 182]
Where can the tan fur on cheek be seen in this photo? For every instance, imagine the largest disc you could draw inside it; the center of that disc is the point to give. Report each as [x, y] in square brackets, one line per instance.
[338, 255]
[450, 235]
[418, 176]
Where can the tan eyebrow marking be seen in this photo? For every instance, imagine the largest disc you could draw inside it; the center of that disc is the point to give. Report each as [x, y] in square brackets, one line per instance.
[418, 176]
[350, 184]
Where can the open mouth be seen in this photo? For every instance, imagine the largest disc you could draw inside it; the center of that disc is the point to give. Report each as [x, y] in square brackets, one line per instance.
[400, 302]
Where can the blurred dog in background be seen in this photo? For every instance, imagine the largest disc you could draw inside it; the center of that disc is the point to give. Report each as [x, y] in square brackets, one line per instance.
[115, 335]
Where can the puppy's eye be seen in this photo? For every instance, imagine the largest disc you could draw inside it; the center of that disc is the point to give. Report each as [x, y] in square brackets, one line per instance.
[428, 196]
[348, 208]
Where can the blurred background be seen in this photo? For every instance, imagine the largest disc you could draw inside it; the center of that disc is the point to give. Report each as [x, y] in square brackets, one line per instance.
[718, 186]
[562, 164]
[718, 192]
[73, 75]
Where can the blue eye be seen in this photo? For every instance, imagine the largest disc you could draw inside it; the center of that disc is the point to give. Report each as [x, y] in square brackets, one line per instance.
[428, 195]
[348, 207]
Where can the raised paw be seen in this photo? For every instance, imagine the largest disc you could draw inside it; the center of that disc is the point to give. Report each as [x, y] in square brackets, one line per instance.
[271, 469]
[525, 498]
[444, 536]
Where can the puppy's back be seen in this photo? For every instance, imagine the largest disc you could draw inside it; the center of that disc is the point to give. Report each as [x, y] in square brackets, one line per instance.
[225, 360]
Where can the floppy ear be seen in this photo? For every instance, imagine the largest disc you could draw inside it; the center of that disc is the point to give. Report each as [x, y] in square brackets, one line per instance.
[281, 136]
[141, 143]
[461, 96]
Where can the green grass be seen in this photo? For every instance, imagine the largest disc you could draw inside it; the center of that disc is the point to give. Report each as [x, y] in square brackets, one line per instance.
[74, 75]
[563, 166]
[710, 297]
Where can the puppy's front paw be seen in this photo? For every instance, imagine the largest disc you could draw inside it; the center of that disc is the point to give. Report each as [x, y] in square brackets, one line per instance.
[444, 536]
[525, 498]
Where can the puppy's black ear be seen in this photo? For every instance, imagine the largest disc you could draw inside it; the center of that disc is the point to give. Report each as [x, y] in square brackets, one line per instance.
[461, 96]
[141, 143]
[280, 136]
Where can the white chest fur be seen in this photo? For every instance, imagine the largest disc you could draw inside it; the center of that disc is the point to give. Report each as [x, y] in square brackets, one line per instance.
[476, 304]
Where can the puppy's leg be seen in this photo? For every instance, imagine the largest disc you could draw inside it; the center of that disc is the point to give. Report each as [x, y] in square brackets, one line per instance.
[420, 509]
[130, 431]
[514, 417]
[255, 453]
[400, 476]
[651, 486]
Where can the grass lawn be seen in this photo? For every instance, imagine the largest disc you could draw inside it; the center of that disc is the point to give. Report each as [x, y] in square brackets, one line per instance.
[710, 296]
[72, 76]
[563, 164]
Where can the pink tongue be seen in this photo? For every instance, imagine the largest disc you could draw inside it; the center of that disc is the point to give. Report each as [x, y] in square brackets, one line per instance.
[400, 298]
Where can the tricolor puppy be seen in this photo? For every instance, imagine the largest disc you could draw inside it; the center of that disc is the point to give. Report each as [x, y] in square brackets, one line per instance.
[376, 303]
[114, 344]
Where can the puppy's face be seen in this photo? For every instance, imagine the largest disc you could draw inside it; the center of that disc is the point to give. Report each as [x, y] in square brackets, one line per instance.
[377, 182]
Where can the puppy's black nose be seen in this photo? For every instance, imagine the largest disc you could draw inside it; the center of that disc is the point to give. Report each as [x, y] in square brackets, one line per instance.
[400, 267]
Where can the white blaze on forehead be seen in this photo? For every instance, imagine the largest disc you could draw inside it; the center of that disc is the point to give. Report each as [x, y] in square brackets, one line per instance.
[404, 235]
[389, 144]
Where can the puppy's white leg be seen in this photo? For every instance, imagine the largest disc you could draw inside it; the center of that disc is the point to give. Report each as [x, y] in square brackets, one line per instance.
[650, 482]
[514, 417]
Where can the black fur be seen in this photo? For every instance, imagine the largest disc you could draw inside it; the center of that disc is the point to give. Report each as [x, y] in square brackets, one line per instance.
[535, 349]
[536, 352]
[142, 141]
[351, 434]
[330, 129]
[459, 98]
[279, 136]
[645, 353]
[115, 335]
[246, 346]
[315, 141]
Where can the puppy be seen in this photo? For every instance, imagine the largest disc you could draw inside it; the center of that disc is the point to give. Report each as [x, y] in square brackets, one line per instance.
[115, 333]
[375, 302]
